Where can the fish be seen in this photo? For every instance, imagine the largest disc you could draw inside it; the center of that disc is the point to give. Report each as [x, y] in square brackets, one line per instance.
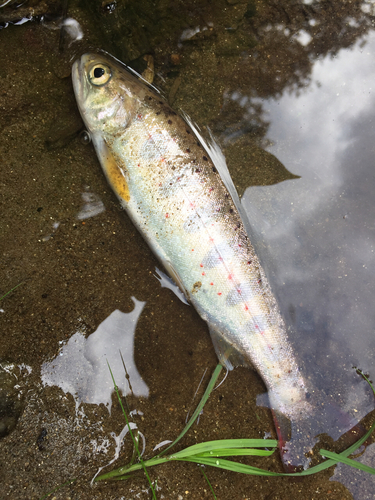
[176, 189]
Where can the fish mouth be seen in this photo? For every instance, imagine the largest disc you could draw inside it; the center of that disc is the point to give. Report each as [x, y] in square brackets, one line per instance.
[78, 79]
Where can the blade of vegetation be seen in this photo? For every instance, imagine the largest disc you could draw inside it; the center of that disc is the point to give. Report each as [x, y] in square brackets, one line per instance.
[198, 409]
[210, 453]
[348, 461]
[10, 291]
[135, 444]
[224, 444]
[57, 488]
[208, 482]
[234, 452]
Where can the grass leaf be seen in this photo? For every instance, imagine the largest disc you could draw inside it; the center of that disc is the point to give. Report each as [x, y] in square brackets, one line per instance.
[209, 453]
[199, 408]
[237, 452]
[208, 482]
[221, 444]
[10, 291]
[348, 461]
[135, 444]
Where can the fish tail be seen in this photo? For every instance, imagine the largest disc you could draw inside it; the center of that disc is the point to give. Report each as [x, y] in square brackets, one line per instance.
[298, 437]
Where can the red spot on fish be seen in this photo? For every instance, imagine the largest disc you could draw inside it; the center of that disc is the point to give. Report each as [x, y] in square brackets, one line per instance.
[259, 281]
[211, 283]
[167, 215]
[139, 117]
[247, 308]
[230, 277]
[192, 249]
[219, 293]
[162, 160]
[203, 274]
[201, 265]
[211, 240]
[139, 165]
[249, 262]
[239, 245]
[211, 189]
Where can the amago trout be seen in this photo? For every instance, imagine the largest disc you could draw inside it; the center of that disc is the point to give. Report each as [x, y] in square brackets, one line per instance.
[172, 191]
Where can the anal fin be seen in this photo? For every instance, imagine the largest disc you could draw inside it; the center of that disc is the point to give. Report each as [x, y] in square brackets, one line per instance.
[227, 354]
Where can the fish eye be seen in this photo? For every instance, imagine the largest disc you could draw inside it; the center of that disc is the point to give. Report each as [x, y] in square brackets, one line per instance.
[99, 74]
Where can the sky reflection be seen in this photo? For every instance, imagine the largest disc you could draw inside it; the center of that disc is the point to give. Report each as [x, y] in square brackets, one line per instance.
[81, 367]
[316, 234]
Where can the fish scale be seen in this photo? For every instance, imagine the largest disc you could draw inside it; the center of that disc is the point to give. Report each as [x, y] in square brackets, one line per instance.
[174, 194]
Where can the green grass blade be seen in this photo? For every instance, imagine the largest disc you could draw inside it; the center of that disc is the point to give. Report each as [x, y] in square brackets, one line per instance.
[222, 444]
[232, 466]
[208, 453]
[135, 444]
[57, 488]
[208, 482]
[10, 291]
[237, 452]
[348, 461]
[197, 411]
[128, 469]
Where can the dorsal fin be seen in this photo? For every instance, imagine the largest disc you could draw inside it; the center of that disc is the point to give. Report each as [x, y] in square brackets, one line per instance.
[214, 152]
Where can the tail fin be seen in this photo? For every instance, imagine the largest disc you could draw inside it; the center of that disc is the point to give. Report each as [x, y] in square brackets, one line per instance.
[297, 437]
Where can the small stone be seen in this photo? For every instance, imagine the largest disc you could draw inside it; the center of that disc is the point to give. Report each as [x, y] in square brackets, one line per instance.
[175, 59]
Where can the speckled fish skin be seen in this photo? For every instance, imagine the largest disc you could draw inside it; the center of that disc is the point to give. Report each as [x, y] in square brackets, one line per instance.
[175, 196]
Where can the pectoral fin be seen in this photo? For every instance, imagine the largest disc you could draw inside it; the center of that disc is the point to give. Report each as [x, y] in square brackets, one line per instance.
[176, 278]
[167, 282]
[114, 169]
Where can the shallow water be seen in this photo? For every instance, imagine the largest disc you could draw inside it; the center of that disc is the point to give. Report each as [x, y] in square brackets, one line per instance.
[294, 81]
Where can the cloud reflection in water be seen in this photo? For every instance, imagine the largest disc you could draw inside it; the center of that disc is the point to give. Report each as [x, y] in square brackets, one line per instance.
[316, 234]
[81, 367]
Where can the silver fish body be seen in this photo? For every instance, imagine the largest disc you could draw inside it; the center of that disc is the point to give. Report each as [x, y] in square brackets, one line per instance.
[174, 194]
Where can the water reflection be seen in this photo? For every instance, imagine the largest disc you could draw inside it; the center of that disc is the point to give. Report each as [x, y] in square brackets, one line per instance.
[361, 484]
[92, 206]
[81, 367]
[316, 234]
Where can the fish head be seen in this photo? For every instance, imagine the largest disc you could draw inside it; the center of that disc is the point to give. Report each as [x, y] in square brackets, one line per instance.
[107, 94]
